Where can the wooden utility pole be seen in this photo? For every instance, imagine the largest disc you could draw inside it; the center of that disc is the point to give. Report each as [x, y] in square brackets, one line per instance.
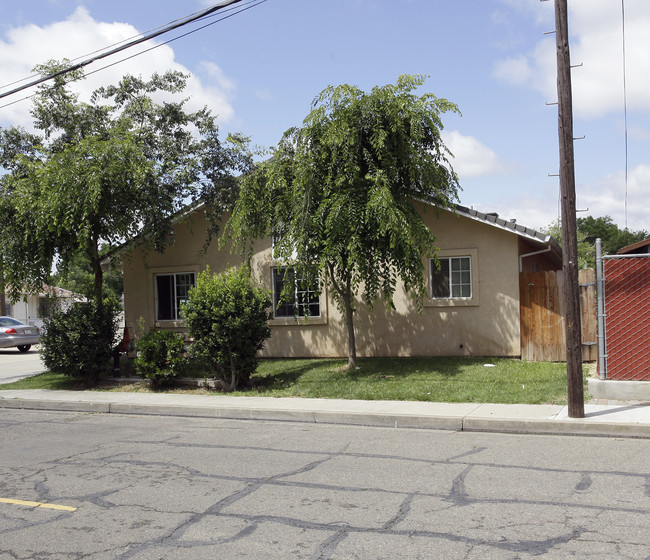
[569, 233]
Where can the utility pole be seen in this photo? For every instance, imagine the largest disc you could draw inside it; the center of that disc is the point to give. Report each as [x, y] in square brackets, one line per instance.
[571, 289]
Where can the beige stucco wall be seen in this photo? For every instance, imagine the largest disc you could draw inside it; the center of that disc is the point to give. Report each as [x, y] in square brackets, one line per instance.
[485, 325]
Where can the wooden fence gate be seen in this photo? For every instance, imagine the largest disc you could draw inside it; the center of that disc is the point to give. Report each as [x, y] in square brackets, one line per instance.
[542, 316]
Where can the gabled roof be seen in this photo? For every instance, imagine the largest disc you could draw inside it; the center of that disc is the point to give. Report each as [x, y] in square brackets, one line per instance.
[537, 238]
[509, 225]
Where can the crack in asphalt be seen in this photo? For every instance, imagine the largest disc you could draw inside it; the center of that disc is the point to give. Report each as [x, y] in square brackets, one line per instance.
[333, 533]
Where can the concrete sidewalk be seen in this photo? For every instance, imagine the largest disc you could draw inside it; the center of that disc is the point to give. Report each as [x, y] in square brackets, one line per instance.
[619, 420]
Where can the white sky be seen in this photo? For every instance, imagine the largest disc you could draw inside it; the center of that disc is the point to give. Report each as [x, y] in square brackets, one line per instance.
[260, 70]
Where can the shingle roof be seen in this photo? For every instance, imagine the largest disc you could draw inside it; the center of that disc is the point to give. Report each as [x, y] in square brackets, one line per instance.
[509, 225]
[491, 218]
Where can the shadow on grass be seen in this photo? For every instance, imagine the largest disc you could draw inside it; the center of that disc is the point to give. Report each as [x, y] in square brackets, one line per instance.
[382, 368]
[282, 373]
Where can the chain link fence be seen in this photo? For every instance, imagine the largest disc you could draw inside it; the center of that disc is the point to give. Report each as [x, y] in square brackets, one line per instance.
[624, 317]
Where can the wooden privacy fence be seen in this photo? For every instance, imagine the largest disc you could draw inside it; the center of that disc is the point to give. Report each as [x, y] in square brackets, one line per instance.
[542, 316]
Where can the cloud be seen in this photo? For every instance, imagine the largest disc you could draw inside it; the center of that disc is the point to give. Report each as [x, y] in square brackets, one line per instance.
[536, 69]
[603, 197]
[80, 35]
[531, 211]
[609, 196]
[471, 157]
[264, 94]
[515, 70]
[596, 29]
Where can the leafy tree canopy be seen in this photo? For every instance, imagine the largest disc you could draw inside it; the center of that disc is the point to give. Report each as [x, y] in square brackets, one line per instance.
[112, 170]
[589, 229]
[586, 251]
[338, 194]
[613, 238]
[79, 278]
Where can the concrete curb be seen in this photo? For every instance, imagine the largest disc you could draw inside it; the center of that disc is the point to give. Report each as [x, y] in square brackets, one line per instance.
[65, 406]
[467, 417]
[570, 427]
[453, 423]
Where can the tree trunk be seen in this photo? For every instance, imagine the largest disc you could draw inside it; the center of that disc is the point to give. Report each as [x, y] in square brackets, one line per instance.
[98, 284]
[345, 297]
[352, 344]
[233, 376]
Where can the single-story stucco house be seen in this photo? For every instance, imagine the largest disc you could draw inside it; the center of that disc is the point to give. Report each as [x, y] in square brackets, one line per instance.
[33, 308]
[473, 308]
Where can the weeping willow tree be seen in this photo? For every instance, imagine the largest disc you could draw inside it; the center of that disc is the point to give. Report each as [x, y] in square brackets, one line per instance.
[339, 194]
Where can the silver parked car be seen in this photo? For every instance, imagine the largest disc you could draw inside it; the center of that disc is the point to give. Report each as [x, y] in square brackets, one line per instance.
[14, 333]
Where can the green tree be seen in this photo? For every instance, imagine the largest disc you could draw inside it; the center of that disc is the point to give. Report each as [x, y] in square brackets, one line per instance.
[338, 194]
[114, 170]
[613, 238]
[586, 250]
[589, 229]
[78, 277]
[17, 147]
[227, 315]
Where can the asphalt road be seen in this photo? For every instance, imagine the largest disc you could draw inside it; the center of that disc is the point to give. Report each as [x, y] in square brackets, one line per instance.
[151, 487]
[15, 365]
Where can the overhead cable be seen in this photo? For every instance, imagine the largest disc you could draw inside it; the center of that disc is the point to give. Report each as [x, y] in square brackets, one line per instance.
[243, 9]
[148, 36]
[116, 44]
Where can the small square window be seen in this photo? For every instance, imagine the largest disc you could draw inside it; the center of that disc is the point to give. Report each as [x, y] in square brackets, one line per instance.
[303, 301]
[453, 280]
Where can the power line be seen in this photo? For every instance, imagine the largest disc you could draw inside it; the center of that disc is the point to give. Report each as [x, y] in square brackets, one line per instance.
[250, 5]
[625, 109]
[102, 49]
[146, 37]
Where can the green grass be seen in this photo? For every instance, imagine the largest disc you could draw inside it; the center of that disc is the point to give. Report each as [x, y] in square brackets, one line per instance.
[412, 379]
[416, 379]
[47, 380]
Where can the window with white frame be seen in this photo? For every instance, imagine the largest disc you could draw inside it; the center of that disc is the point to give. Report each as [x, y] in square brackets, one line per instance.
[302, 301]
[453, 280]
[171, 291]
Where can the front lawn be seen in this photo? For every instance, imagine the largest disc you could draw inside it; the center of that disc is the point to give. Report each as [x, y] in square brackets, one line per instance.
[479, 380]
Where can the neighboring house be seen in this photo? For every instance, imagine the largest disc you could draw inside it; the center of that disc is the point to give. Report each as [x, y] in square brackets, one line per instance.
[473, 308]
[32, 309]
[640, 248]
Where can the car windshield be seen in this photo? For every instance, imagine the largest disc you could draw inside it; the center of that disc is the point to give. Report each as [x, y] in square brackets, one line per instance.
[9, 322]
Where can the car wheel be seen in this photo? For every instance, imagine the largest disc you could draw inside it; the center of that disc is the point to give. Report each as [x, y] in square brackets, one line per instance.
[24, 347]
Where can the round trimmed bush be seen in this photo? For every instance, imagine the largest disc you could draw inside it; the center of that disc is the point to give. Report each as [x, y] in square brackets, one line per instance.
[79, 341]
[227, 316]
[160, 356]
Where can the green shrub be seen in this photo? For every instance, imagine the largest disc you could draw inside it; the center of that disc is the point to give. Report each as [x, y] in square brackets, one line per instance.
[227, 316]
[160, 356]
[79, 341]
